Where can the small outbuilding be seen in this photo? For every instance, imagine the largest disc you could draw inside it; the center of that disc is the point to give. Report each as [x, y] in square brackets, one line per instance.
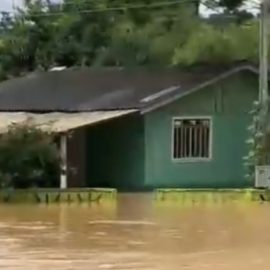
[137, 130]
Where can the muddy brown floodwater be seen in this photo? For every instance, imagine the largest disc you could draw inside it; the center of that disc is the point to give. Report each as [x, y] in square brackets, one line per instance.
[136, 234]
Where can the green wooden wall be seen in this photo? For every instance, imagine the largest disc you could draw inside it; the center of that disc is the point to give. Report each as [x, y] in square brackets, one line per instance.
[115, 153]
[134, 152]
[228, 103]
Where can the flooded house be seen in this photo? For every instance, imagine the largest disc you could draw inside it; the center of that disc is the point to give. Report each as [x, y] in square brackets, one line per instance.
[141, 129]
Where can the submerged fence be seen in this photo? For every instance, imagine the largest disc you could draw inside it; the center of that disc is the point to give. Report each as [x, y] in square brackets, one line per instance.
[181, 196]
[82, 195]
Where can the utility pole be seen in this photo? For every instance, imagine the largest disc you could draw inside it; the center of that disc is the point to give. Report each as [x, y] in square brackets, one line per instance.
[263, 76]
[13, 6]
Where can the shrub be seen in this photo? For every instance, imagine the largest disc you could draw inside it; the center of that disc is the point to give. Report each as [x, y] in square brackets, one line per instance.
[29, 157]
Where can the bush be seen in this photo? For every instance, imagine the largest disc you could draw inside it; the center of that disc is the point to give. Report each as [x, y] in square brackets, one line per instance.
[29, 157]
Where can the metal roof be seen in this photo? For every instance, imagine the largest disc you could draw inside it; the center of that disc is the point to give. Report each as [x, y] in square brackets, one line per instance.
[58, 122]
[85, 90]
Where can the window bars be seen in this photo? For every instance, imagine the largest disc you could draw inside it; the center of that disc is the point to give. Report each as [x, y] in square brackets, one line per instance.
[191, 138]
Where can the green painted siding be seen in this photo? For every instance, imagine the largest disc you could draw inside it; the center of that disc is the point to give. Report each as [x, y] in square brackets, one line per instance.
[228, 103]
[115, 153]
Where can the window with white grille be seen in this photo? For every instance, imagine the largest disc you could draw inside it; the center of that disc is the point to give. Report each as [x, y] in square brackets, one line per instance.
[191, 138]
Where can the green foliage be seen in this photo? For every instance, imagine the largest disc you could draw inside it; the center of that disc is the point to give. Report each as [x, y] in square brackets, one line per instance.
[46, 34]
[229, 5]
[213, 45]
[29, 157]
[258, 141]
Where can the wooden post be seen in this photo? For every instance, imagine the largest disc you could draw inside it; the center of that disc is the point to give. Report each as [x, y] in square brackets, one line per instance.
[63, 153]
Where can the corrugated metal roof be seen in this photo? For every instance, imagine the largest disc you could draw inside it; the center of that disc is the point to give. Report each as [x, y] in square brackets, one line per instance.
[57, 121]
[85, 90]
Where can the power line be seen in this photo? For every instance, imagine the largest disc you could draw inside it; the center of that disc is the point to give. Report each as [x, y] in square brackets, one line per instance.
[70, 2]
[109, 9]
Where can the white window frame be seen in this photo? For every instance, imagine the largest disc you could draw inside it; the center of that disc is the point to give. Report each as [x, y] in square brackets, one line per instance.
[195, 159]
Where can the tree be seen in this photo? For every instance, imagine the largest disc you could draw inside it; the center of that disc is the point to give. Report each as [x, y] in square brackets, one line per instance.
[81, 33]
[29, 157]
[230, 6]
[211, 45]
